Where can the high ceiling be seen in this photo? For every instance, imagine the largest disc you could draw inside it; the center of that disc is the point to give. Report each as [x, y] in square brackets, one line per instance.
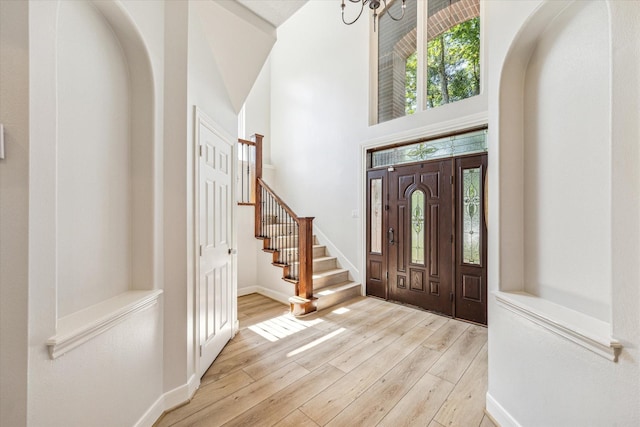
[273, 11]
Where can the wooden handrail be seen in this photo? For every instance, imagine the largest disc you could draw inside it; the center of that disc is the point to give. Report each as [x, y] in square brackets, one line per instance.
[304, 285]
[279, 200]
[247, 142]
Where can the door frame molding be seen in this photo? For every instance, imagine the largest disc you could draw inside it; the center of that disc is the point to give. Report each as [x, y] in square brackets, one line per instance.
[400, 138]
[200, 117]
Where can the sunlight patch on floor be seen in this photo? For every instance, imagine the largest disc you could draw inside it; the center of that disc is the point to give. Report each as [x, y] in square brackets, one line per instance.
[315, 342]
[282, 326]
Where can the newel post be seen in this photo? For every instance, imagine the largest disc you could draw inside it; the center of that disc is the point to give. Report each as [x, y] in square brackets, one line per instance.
[304, 302]
[257, 197]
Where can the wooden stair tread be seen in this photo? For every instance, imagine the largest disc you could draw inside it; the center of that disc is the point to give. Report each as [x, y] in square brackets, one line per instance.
[331, 272]
[336, 288]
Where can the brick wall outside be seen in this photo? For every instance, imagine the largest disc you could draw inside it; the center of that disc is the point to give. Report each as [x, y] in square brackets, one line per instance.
[395, 44]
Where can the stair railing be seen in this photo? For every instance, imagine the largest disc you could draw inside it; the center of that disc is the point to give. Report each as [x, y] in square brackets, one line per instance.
[286, 235]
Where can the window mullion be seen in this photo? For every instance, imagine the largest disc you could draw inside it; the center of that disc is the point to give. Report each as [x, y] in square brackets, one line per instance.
[421, 42]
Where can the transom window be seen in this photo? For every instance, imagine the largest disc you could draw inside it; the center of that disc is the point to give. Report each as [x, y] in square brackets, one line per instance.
[428, 62]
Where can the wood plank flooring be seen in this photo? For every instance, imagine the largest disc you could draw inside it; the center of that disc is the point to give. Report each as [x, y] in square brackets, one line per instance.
[365, 362]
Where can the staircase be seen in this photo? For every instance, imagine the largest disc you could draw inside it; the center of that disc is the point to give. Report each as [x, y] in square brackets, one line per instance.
[319, 282]
[331, 283]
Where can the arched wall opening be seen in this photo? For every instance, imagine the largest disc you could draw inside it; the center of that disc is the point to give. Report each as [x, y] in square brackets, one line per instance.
[555, 159]
[105, 156]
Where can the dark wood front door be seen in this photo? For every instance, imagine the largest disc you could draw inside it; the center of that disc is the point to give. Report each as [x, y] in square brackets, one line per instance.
[377, 207]
[471, 240]
[420, 245]
[426, 236]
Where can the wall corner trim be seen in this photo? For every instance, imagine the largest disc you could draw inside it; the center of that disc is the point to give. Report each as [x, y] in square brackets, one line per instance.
[79, 327]
[586, 331]
[169, 401]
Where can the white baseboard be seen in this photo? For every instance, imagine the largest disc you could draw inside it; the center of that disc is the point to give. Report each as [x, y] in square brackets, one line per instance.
[247, 290]
[168, 401]
[153, 413]
[270, 293]
[499, 414]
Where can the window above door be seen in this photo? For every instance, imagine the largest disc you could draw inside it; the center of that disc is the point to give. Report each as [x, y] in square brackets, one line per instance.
[428, 59]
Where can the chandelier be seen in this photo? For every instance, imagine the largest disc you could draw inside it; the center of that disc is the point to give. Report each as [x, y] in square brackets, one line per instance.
[373, 5]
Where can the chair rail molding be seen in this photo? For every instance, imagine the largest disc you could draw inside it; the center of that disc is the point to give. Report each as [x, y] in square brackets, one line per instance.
[586, 331]
[77, 328]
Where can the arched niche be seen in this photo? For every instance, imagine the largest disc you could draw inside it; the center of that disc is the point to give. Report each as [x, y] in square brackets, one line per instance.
[555, 159]
[105, 156]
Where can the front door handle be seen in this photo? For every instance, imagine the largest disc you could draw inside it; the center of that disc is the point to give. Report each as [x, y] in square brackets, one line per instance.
[390, 236]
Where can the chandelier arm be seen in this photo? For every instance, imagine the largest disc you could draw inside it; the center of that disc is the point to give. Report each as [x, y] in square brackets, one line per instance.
[389, 12]
[359, 14]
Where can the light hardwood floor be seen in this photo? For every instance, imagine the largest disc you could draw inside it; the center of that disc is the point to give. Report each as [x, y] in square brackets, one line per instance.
[366, 362]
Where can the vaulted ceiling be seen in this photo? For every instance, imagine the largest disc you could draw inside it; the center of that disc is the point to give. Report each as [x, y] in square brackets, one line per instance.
[273, 11]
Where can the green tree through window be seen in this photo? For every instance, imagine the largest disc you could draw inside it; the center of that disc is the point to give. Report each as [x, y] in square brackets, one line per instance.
[411, 81]
[453, 64]
[445, 69]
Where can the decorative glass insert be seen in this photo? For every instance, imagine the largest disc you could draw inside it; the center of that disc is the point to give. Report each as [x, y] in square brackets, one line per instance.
[471, 216]
[417, 227]
[450, 146]
[376, 215]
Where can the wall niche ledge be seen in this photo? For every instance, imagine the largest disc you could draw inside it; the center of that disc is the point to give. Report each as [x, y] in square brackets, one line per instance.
[77, 328]
[586, 331]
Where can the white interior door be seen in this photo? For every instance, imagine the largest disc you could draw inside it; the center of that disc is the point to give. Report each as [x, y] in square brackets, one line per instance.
[215, 268]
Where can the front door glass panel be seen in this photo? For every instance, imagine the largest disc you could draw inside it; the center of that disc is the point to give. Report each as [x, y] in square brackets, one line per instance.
[471, 230]
[417, 227]
[376, 215]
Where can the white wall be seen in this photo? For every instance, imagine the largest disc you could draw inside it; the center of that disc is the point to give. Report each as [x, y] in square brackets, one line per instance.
[195, 78]
[133, 371]
[535, 376]
[252, 267]
[76, 389]
[239, 62]
[320, 120]
[206, 89]
[14, 211]
[177, 344]
[94, 162]
[257, 109]
[567, 148]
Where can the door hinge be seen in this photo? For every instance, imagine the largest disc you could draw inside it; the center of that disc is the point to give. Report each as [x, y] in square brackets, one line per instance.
[387, 275]
[451, 296]
[200, 250]
[200, 351]
[452, 238]
[201, 150]
[451, 179]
